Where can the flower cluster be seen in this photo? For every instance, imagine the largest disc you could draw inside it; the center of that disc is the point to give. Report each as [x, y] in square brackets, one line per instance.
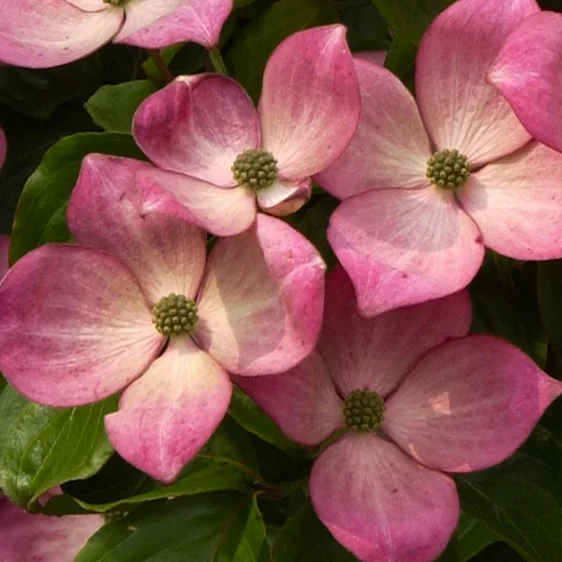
[183, 278]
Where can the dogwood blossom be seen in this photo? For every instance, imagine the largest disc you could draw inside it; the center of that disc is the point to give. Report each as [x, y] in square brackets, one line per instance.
[408, 397]
[426, 187]
[136, 306]
[205, 131]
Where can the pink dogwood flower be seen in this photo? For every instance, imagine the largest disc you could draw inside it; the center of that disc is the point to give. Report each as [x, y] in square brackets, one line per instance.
[409, 397]
[53, 32]
[138, 307]
[528, 72]
[425, 187]
[205, 131]
[27, 537]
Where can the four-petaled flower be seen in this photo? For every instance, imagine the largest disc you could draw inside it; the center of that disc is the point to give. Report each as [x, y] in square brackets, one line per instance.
[41, 34]
[137, 306]
[205, 132]
[414, 397]
[425, 188]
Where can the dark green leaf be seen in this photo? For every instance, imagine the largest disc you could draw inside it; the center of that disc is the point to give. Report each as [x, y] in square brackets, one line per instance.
[221, 527]
[366, 29]
[113, 107]
[227, 462]
[251, 417]
[43, 447]
[410, 18]
[249, 53]
[521, 499]
[549, 294]
[41, 209]
[305, 539]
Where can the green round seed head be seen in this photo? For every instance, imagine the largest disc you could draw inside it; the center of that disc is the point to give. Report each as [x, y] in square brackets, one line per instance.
[363, 411]
[255, 169]
[174, 315]
[448, 169]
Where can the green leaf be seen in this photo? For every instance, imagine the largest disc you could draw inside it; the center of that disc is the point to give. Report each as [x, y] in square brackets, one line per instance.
[40, 214]
[470, 538]
[410, 18]
[113, 107]
[220, 527]
[549, 294]
[227, 462]
[43, 447]
[305, 539]
[251, 417]
[366, 29]
[252, 47]
[38, 92]
[521, 499]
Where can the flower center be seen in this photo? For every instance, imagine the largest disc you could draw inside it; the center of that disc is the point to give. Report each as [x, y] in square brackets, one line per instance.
[116, 2]
[174, 315]
[363, 411]
[255, 169]
[448, 169]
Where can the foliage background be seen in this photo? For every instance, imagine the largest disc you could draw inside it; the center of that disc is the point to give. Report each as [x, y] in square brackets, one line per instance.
[244, 497]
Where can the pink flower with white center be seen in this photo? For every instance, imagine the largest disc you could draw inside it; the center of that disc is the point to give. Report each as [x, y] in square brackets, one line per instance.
[205, 131]
[138, 307]
[414, 398]
[53, 32]
[528, 72]
[29, 537]
[426, 187]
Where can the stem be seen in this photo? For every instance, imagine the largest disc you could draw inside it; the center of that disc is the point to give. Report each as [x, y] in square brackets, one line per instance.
[217, 60]
[161, 65]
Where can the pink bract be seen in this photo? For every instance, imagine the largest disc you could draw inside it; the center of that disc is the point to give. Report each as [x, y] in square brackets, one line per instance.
[197, 126]
[528, 72]
[404, 240]
[54, 32]
[29, 537]
[76, 325]
[452, 403]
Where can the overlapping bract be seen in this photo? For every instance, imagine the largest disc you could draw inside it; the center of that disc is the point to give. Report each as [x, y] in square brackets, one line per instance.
[404, 240]
[196, 127]
[453, 403]
[54, 32]
[76, 319]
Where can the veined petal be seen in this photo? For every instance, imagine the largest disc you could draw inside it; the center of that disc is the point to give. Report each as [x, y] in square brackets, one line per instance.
[4, 249]
[517, 203]
[377, 353]
[30, 537]
[260, 305]
[160, 23]
[468, 404]
[303, 401]
[380, 504]
[197, 126]
[166, 254]
[52, 32]
[402, 246]
[166, 416]
[390, 147]
[74, 326]
[528, 72]
[309, 107]
[222, 212]
[284, 197]
[459, 108]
